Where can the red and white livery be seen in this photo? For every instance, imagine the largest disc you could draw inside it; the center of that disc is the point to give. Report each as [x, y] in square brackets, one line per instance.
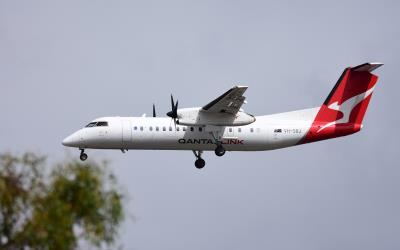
[222, 125]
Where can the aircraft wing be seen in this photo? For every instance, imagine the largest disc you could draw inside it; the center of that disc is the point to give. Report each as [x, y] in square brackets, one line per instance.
[229, 102]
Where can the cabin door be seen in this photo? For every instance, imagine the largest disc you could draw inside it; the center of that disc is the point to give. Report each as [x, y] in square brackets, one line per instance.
[126, 132]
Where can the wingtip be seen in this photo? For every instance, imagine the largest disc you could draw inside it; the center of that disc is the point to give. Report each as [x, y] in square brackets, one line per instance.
[240, 87]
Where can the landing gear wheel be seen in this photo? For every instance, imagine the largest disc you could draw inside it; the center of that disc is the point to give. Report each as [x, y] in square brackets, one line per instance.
[200, 163]
[219, 151]
[83, 156]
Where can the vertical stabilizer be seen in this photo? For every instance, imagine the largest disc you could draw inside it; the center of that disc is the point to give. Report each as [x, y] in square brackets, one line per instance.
[343, 111]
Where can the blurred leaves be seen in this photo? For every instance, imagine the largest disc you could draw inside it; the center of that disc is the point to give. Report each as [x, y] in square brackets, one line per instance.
[75, 201]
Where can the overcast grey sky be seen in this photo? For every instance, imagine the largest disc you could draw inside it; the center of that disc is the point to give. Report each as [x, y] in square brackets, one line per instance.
[64, 63]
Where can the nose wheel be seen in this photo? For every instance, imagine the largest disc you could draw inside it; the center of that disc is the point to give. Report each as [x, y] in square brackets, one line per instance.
[83, 156]
[200, 162]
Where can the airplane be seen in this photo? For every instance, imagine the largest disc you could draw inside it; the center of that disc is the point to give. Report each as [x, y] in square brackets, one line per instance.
[222, 125]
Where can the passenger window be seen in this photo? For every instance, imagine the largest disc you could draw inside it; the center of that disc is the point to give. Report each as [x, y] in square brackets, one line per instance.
[157, 128]
[164, 129]
[239, 130]
[177, 128]
[141, 128]
[251, 130]
[191, 129]
[230, 130]
[170, 128]
[135, 128]
[184, 128]
[151, 128]
[200, 129]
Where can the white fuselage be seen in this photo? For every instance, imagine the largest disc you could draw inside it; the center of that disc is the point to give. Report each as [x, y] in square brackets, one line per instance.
[160, 133]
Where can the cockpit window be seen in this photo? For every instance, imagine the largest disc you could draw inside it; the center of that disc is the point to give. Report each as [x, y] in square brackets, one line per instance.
[92, 124]
[102, 124]
[97, 124]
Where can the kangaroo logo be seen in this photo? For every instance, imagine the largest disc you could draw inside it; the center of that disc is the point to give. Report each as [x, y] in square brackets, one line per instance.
[346, 107]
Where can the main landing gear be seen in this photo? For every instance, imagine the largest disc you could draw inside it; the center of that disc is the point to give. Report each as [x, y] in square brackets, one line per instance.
[219, 150]
[83, 156]
[200, 162]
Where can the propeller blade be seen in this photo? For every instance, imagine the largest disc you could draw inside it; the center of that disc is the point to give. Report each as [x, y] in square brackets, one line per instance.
[172, 102]
[174, 109]
[154, 110]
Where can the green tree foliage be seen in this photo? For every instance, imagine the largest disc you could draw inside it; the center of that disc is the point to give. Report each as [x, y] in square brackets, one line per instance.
[73, 202]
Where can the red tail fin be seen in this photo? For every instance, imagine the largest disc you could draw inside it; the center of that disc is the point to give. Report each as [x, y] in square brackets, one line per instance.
[344, 108]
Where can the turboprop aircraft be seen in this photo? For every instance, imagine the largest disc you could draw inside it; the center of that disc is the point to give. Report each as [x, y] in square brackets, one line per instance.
[222, 125]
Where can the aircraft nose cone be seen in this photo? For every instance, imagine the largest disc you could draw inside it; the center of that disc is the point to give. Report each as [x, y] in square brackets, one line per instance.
[67, 141]
[72, 140]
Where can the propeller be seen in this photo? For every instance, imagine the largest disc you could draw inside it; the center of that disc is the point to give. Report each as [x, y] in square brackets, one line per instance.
[174, 110]
[154, 110]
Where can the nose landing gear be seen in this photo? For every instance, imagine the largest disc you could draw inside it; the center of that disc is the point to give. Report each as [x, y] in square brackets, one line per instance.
[83, 156]
[200, 162]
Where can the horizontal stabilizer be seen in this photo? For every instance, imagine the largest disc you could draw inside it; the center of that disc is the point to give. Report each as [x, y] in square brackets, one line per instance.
[367, 67]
